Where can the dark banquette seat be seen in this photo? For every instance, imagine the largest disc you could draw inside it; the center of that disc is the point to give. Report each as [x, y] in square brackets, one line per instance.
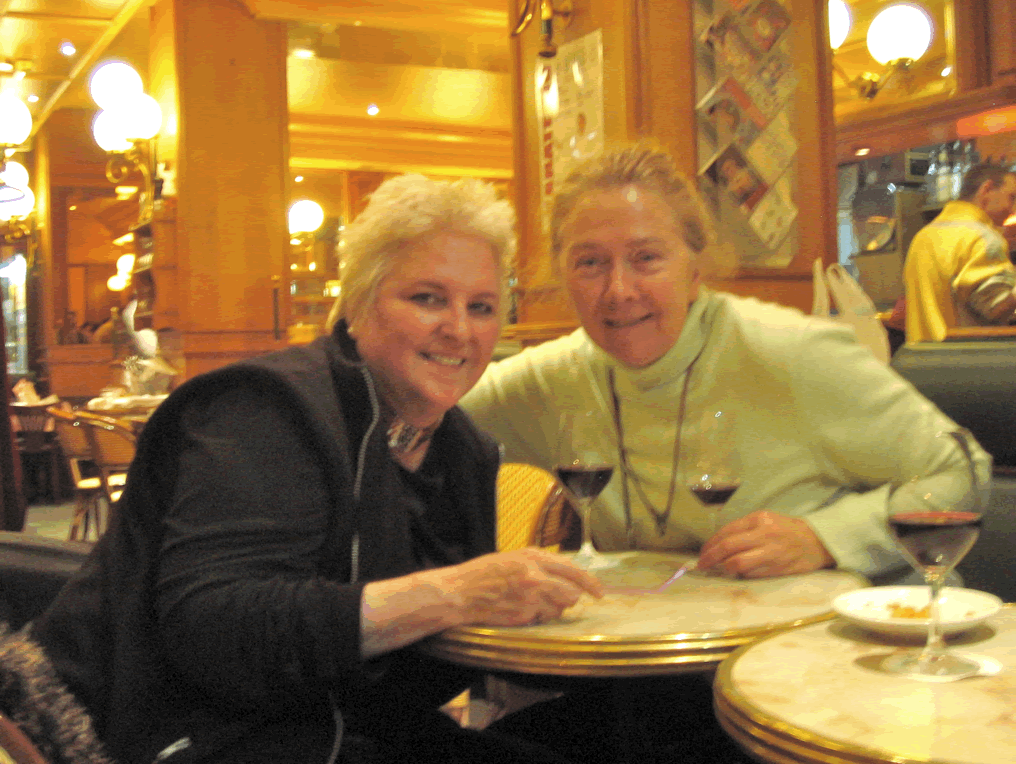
[974, 383]
[32, 570]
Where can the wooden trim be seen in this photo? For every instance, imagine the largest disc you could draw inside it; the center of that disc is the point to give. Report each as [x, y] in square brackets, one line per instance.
[426, 15]
[933, 120]
[967, 22]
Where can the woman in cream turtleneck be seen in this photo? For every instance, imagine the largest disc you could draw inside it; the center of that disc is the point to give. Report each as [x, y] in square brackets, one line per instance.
[821, 427]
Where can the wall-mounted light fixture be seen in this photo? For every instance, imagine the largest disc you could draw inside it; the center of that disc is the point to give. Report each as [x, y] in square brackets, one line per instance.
[17, 202]
[305, 217]
[549, 10]
[122, 278]
[897, 37]
[125, 129]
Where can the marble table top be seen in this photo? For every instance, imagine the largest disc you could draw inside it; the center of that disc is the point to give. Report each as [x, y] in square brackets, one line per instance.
[816, 694]
[689, 626]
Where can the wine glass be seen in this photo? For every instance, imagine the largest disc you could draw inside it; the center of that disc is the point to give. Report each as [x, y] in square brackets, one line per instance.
[935, 521]
[714, 467]
[584, 468]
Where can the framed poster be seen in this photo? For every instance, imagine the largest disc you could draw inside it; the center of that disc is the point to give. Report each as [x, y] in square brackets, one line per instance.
[747, 155]
[569, 111]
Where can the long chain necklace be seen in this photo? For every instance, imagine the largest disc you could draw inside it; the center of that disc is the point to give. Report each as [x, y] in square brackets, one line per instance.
[628, 473]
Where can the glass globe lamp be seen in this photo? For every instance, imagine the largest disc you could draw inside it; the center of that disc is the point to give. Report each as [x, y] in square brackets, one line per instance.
[108, 132]
[114, 82]
[15, 175]
[305, 216]
[839, 23]
[15, 120]
[18, 208]
[901, 31]
[140, 116]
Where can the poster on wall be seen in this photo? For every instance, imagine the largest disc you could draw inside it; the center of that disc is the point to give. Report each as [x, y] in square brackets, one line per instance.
[745, 81]
[569, 112]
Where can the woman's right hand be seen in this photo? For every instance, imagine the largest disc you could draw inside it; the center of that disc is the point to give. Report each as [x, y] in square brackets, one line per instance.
[514, 588]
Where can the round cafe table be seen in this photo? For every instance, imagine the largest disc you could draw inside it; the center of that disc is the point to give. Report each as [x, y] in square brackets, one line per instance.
[816, 694]
[689, 627]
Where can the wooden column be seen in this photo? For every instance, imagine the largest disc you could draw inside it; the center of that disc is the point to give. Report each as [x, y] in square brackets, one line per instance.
[220, 77]
[649, 91]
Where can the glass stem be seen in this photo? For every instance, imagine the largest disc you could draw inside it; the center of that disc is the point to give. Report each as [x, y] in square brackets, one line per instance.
[585, 512]
[934, 647]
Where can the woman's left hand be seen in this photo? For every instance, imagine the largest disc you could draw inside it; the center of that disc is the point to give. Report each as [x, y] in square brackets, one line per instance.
[765, 544]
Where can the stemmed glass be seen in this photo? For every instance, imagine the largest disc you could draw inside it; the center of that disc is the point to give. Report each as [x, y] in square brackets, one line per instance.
[935, 521]
[713, 473]
[584, 468]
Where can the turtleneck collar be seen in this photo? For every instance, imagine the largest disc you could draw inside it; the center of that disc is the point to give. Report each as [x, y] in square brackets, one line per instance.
[675, 361]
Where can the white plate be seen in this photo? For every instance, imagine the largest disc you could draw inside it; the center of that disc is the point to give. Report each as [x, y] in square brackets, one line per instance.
[961, 609]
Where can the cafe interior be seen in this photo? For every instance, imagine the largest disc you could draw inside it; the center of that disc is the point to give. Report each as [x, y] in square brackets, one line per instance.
[200, 218]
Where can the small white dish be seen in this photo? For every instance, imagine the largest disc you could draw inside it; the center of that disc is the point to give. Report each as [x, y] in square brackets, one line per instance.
[883, 609]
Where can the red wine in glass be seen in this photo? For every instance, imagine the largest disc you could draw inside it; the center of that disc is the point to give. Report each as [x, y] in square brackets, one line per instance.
[714, 494]
[585, 481]
[936, 541]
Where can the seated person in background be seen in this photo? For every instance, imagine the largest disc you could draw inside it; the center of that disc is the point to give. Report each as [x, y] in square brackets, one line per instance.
[957, 271]
[822, 428]
[292, 524]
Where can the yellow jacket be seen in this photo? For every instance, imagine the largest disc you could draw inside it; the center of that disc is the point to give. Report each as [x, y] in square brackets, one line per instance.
[957, 268]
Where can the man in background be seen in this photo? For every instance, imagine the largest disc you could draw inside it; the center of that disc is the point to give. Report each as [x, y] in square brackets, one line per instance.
[957, 271]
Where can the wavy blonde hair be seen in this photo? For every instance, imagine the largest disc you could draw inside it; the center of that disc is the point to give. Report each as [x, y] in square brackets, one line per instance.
[648, 166]
[405, 209]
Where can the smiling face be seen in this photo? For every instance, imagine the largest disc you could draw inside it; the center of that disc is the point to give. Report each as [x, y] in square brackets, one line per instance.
[432, 326]
[629, 273]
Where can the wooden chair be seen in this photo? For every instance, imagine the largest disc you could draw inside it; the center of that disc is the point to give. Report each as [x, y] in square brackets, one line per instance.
[89, 494]
[113, 447]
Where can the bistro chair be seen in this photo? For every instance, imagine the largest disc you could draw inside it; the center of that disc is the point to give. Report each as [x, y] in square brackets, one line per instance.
[37, 446]
[113, 446]
[531, 508]
[76, 444]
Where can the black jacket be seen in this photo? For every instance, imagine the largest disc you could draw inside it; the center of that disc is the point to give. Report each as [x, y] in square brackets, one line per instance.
[226, 605]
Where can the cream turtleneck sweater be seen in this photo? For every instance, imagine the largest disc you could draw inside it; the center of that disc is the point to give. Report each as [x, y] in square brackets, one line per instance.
[820, 426]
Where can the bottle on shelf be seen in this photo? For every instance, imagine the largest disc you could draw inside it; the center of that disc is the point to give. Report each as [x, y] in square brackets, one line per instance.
[959, 169]
[931, 179]
[944, 191]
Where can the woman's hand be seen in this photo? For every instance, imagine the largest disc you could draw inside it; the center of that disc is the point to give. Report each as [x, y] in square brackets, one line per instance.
[501, 589]
[514, 588]
[765, 544]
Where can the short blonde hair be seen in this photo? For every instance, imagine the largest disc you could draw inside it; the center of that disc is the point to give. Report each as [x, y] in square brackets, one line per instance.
[405, 209]
[649, 167]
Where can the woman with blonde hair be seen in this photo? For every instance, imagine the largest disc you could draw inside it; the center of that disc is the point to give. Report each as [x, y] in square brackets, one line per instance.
[293, 524]
[821, 428]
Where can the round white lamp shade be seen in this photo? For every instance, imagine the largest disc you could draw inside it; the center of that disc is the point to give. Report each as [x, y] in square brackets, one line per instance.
[108, 132]
[113, 82]
[141, 117]
[900, 31]
[116, 283]
[305, 216]
[19, 208]
[15, 120]
[15, 175]
[839, 23]
[125, 264]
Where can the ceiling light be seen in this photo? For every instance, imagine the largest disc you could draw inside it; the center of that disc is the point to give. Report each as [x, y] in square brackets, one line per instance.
[33, 98]
[6, 66]
[862, 152]
[372, 109]
[73, 207]
[298, 179]
[67, 48]
[303, 53]
[947, 71]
